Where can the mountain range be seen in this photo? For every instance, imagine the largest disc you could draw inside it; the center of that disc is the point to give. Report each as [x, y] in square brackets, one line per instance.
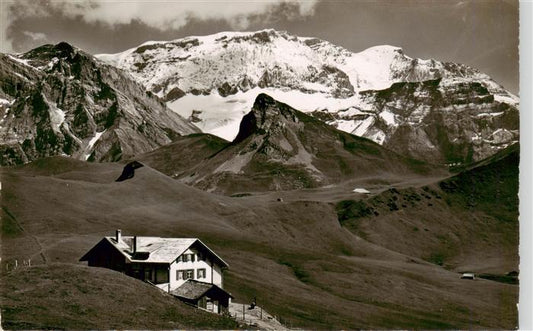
[441, 112]
[119, 105]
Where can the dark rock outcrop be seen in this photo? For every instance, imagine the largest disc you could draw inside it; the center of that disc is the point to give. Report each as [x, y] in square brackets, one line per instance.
[129, 171]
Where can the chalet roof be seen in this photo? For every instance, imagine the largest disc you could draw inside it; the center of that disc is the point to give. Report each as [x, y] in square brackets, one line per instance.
[160, 250]
[193, 289]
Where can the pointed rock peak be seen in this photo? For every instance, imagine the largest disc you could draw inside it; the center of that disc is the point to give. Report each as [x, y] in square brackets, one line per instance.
[268, 110]
[262, 101]
[265, 113]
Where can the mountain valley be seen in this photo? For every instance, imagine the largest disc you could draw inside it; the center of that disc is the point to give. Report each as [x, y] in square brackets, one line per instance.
[312, 257]
[345, 190]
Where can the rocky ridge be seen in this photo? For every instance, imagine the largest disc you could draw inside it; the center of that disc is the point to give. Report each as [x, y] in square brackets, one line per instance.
[59, 100]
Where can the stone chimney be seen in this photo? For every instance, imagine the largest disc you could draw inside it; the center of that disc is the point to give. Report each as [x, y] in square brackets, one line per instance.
[118, 235]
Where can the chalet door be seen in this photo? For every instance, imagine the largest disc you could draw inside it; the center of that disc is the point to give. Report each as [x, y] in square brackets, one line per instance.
[136, 273]
[148, 275]
[161, 275]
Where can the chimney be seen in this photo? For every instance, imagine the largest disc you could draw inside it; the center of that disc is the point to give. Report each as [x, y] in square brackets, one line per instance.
[118, 236]
[134, 244]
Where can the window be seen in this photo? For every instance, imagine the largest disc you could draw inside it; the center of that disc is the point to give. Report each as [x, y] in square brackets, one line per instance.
[186, 258]
[184, 274]
[200, 273]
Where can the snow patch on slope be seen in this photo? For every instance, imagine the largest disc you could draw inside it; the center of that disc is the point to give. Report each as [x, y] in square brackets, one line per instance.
[388, 117]
[371, 68]
[57, 116]
[363, 126]
[22, 61]
[90, 145]
[510, 99]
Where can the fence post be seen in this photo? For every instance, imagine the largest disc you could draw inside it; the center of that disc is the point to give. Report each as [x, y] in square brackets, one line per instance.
[16, 264]
[261, 313]
[243, 318]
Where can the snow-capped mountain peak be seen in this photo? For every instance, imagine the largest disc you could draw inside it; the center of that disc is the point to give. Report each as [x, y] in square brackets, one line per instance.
[213, 80]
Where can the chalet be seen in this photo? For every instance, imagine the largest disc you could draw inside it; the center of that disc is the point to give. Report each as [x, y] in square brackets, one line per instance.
[168, 263]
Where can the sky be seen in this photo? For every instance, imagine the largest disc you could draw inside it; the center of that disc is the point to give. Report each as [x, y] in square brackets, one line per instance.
[479, 33]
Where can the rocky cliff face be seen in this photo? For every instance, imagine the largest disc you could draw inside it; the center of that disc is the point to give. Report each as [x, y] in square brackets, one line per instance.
[437, 120]
[58, 100]
[438, 111]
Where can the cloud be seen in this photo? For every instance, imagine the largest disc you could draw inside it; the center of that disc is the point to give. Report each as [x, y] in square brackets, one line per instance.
[159, 14]
[35, 36]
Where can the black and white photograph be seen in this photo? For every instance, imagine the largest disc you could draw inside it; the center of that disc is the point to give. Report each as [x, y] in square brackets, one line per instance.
[261, 165]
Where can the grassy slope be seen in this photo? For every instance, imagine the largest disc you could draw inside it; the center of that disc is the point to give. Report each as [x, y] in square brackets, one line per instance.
[67, 296]
[294, 256]
[466, 222]
[490, 185]
[183, 153]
